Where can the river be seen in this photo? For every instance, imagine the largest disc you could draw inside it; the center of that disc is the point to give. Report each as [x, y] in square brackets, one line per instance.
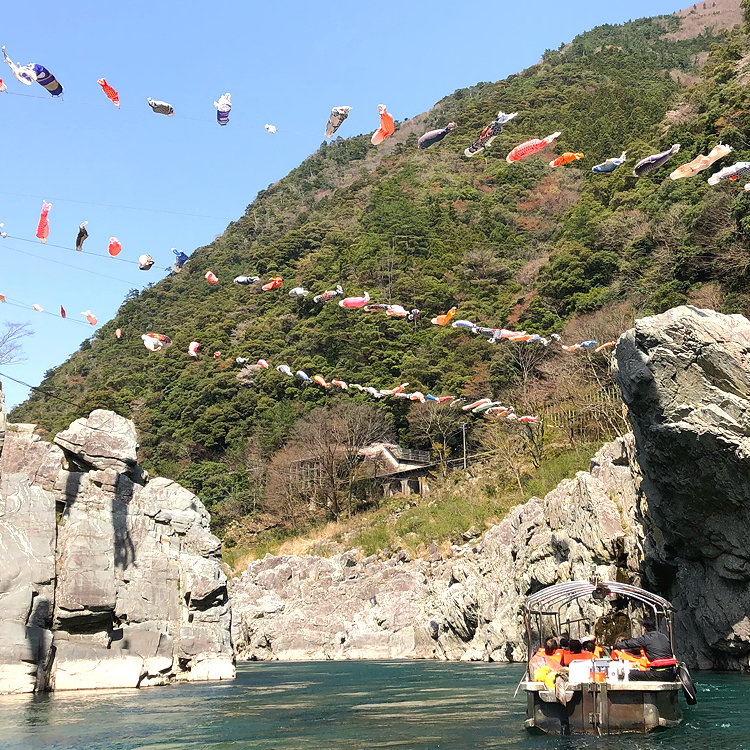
[332, 705]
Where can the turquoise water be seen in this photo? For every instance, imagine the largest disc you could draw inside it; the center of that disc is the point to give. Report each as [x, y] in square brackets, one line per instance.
[332, 705]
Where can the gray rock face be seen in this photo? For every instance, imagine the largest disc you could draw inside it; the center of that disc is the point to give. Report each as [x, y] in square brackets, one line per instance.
[27, 576]
[124, 587]
[685, 377]
[102, 441]
[467, 608]
[330, 608]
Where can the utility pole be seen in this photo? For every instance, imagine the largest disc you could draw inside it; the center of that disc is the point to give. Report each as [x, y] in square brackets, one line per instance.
[463, 436]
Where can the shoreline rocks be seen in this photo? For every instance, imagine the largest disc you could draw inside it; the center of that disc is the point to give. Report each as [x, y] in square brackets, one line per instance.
[109, 580]
[467, 607]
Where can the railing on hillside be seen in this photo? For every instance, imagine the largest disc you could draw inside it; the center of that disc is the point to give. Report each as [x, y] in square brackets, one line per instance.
[409, 454]
[596, 416]
[306, 472]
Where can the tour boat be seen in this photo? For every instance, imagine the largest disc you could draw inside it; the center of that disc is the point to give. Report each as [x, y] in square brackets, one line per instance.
[599, 698]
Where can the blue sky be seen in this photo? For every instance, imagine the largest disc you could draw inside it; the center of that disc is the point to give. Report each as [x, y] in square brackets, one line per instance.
[156, 182]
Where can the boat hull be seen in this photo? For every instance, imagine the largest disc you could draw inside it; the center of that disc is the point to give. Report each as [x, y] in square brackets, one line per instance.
[603, 708]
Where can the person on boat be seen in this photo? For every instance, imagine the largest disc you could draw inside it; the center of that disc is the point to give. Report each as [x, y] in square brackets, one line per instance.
[545, 667]
[661, 664]
[589, 644]
[575, 652]
[550, 649]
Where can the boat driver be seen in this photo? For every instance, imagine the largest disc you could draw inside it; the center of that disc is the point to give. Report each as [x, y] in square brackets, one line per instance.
[662, 664]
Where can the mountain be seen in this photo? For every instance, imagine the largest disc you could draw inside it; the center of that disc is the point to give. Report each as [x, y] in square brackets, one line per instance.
[517, 245]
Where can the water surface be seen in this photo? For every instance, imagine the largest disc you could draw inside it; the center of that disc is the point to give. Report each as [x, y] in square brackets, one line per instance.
[332, 705]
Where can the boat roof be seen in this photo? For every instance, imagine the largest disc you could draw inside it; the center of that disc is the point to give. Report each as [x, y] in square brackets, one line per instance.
[550, 599]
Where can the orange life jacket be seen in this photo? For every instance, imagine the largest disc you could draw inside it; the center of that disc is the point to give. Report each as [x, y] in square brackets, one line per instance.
[557, 655]
[667, 662]
[639, 662]
[581, 656]
[568, 657]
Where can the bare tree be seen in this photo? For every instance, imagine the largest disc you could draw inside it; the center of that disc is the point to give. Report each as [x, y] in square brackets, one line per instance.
[438, 423]
[328, 445]
[11, 347]
[526, 360]
[388, 267]
[480, 264]
[506, 441]
[288, 487]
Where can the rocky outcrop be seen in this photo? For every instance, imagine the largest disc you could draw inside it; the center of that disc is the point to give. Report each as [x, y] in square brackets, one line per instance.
[108, 579]
[27, 576]
[667, 507]
[685, 377]
[467, 607]
[104, 440]
[331, 608]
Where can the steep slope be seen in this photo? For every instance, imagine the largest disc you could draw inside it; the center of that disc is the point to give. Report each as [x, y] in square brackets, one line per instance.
[507, 243]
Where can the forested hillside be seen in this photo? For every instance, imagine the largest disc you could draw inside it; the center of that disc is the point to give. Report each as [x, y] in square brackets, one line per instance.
[518, 245]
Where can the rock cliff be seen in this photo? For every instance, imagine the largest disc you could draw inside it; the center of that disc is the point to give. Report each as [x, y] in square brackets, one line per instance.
[667, 507]
[467, 607]
[685, 377]
[108, 579]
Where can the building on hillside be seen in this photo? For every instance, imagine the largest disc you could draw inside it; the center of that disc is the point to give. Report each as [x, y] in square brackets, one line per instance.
[398, 471]
[386, 469]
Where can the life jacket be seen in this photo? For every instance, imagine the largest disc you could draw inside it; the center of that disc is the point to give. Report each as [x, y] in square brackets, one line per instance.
[568, 657]
[639, 662]
[581, 656]
[557, 655]
[598, 651]
[668, 662]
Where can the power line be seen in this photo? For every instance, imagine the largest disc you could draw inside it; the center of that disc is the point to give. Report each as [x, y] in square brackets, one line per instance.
[79, 252]
[40, 390]
[4, 246]
[115, 205]
[25, 306]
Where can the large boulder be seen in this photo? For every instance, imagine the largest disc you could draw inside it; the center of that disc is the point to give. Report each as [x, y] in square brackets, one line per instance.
[685, 378]
[104, 440]
[138, 596]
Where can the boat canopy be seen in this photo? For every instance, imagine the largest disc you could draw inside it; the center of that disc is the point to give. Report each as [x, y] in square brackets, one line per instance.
[549, 600]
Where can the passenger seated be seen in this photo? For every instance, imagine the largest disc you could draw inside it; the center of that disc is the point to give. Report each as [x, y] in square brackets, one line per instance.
[662, 666]
[590, 645]
[550, 649]
[545, 667]
[575, 652]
